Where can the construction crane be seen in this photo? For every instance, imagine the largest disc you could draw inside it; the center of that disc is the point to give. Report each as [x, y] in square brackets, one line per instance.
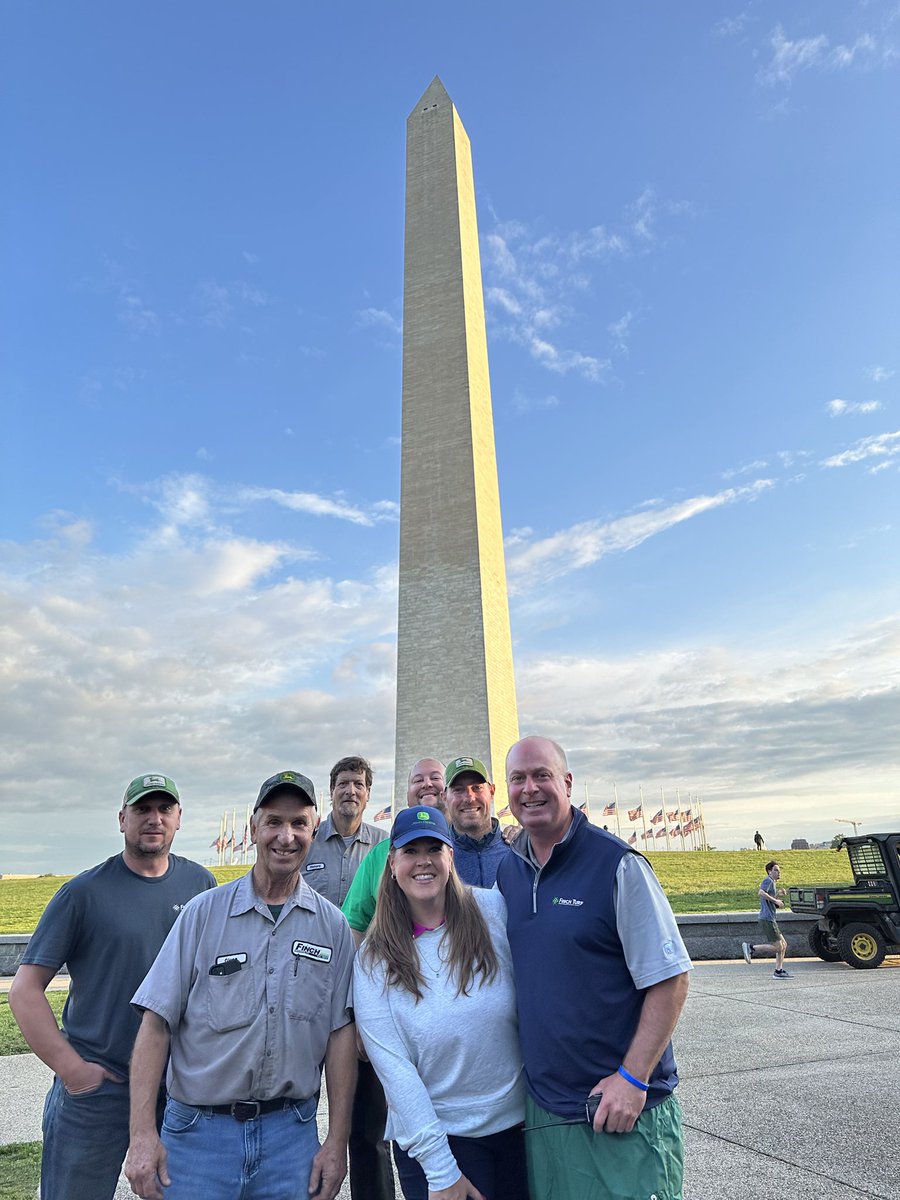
[849, 821]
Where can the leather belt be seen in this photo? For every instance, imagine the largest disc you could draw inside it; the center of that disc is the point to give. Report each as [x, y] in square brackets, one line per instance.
[249, 1110]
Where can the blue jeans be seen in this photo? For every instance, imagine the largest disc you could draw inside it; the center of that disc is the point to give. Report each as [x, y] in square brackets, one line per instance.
[212, 1154]
[85, 1142]
[495, 1164]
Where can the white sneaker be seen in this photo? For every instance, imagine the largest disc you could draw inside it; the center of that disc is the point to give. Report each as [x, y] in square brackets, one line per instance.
[747, 951]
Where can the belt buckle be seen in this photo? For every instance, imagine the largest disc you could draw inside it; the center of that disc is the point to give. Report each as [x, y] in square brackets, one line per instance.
[245, 1110]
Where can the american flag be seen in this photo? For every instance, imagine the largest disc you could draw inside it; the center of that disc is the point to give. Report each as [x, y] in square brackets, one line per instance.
[504, 812]
[384, 814]
[661, 832]
[632, 840]
[656, 818]
[634, 813]
[609, 810]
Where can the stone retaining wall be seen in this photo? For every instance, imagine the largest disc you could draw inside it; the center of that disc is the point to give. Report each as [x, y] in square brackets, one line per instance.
[706, 935]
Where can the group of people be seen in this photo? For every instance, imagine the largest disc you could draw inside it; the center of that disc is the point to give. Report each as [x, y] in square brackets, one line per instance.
[499, 1009]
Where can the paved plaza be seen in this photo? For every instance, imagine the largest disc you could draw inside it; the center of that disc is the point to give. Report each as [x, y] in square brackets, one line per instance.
[790, 1088]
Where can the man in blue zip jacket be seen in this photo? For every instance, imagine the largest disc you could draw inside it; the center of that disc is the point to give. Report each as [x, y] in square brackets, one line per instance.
[601, 978]
[478, 845]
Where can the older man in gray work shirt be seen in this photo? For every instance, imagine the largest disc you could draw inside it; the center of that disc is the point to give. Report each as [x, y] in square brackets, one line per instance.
[250, 995]
[343, 839]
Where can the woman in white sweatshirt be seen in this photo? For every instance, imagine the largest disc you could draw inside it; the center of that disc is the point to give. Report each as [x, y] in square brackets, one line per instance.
[435, 1005]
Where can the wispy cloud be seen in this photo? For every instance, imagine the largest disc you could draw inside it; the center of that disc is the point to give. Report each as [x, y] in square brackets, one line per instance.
[307, 502]
[731, 26]
[880, 445]
[380, 318]
[216, 304]
[589, 541]
[750, 468]
[534, 281]
[843, 408]
[878, 374]
[620, 331]
[522, 403]
[802, 54]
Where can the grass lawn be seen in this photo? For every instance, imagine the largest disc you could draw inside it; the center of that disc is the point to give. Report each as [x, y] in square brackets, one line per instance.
[11, 1040]
[694, 881]
[20, 1170]
[728, 880]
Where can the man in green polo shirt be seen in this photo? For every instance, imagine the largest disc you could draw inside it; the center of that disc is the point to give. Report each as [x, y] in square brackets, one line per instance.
[425, 785]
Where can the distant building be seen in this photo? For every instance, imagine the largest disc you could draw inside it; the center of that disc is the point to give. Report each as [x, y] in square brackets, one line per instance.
[799, 844]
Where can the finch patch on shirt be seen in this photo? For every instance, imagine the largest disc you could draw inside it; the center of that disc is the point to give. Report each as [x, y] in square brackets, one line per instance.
[315, 866]
[308, 950]
[240, 957]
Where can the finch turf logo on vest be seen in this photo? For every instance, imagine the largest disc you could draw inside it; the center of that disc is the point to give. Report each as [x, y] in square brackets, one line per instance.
[565, 902]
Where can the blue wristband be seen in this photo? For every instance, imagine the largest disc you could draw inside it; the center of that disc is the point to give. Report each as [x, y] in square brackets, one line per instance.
[644, 1087]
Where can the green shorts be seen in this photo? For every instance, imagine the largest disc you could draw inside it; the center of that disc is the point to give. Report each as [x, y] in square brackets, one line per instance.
[767, 931]
[571, 1162]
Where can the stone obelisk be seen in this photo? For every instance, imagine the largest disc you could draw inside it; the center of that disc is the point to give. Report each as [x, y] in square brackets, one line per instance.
[455, 684]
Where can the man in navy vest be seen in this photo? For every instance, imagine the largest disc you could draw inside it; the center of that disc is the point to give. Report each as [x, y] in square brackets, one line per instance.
[601, 978]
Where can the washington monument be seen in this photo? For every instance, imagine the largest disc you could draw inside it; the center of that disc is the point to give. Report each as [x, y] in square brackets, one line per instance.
[455, 685]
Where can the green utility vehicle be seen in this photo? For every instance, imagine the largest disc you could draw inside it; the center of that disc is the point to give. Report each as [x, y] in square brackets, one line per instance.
[858, 922]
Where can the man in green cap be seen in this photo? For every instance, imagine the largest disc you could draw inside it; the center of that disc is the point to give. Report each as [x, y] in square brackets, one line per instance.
[107, 926]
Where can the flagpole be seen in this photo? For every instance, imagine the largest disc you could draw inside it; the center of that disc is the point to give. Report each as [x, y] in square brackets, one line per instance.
[704, 845]
[643, 818]
[222, 825]
[616, 802]
[665, 822]
[587, 802]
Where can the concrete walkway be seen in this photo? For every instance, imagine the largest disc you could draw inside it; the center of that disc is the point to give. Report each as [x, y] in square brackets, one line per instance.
[788, 1087]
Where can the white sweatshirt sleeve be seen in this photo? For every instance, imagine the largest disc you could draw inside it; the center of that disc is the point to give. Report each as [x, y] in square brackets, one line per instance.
[415, 1124]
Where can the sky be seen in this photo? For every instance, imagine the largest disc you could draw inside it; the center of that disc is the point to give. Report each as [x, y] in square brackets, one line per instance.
[689, 231]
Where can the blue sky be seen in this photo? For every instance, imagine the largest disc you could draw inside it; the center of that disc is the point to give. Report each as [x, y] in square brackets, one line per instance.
[689, 228]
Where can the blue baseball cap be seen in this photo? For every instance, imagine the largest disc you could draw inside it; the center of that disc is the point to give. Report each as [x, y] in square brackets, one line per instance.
[412, 823]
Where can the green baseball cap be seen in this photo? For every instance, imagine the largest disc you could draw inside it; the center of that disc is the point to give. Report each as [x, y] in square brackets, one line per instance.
[146, 785]
[459, 765]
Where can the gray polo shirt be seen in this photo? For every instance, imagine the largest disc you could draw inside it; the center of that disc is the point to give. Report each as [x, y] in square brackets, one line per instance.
[331, 864]
[260, 1031]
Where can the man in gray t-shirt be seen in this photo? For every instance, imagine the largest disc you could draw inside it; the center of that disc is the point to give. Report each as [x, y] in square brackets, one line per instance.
[106, 925]
[771, 939]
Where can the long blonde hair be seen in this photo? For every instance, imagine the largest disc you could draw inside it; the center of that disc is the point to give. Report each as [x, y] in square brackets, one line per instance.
[390, 938]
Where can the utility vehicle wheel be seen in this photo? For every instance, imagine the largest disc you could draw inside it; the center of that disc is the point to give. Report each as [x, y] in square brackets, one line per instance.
[862, 946]
[823, 945]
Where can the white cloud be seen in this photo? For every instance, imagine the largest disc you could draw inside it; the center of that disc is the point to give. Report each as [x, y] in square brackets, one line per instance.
[216, 304]
[250, 257]
[790, 57]
[880, 445]
[841, 408]
[380, 318]
[589, 541]
[804, 723]
[190, 652]
[878, 374]
[758, 464]
[523, 404]
[731, 26]
[620, 331]
[533, 283]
